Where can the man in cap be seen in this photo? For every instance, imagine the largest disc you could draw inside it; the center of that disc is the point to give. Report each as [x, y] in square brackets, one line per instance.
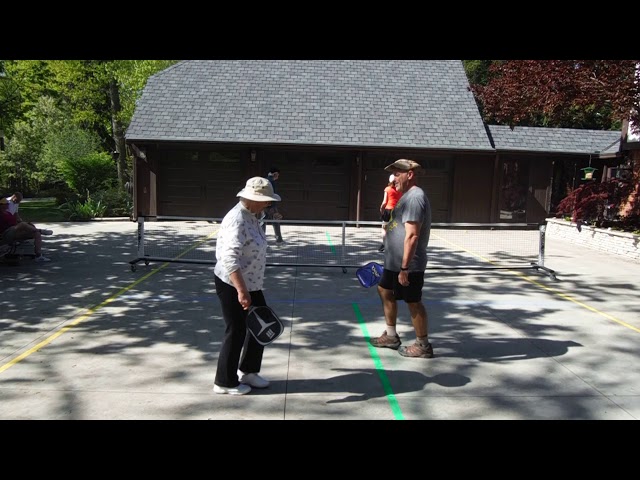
[405, 261]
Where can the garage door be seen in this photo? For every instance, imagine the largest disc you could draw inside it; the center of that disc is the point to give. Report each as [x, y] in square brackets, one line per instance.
[199, 184]
[313, 186]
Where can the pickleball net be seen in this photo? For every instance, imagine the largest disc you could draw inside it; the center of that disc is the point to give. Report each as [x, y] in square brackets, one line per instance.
[348, 244]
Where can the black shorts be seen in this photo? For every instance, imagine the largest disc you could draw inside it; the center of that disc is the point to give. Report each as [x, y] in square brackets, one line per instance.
[411, 293]
[386, 215]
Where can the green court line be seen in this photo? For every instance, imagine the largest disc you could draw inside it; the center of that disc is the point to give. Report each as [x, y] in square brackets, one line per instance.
[386, 385]
[330, 243]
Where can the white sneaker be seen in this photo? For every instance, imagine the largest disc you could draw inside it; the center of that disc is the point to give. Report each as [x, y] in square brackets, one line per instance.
[239, 390]
[253, 379]
[45, 232]
[42, 259]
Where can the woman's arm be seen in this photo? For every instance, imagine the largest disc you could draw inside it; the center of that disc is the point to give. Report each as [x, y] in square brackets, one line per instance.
[244, 298]
[385, 199]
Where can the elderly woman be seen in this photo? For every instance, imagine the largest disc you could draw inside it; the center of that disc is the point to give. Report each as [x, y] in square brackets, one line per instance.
[241, 258]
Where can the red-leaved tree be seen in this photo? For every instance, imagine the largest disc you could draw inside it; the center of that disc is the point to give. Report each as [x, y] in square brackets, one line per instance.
[593, 94]
[596, 94]
[596, 203]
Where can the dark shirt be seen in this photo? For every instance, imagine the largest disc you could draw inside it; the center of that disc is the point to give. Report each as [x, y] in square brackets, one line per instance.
[7, 220]
[269, 211]
[272, 181]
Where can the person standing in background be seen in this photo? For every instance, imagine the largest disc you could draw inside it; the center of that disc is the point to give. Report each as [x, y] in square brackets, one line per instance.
[389, 201]
[271, 212]
[241, 259]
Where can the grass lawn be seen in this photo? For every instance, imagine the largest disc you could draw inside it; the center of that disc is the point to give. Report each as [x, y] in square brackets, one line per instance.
[43, 211]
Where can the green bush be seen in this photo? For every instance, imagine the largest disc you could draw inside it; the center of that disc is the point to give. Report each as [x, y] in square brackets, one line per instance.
[61, 192]
[89, 173]
[117, 201]
[83, 211]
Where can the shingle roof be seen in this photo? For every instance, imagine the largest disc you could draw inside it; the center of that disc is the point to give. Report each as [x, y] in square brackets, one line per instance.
[560, 140]
[388, 103]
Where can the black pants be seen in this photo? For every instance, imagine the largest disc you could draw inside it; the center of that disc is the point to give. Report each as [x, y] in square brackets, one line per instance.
[268, 215]
[276, 227]
[237, 340]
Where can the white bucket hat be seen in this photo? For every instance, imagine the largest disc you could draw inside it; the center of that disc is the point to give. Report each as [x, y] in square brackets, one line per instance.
[258, 189]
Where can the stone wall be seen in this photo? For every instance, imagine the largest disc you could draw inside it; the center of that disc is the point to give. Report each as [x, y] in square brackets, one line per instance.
[611, 241]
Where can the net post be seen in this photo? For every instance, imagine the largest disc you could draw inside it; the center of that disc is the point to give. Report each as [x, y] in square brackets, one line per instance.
[344, 244]
[542, 229]
[140, 237]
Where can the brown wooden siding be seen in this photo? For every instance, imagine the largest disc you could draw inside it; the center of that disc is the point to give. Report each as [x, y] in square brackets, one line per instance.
[313, 185]
[322, 183]
[472, 189]
[199, 183]
[539, 199]
[435, 180]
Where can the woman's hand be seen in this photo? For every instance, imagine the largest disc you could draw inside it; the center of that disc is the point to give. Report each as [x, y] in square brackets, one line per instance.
[244, 299]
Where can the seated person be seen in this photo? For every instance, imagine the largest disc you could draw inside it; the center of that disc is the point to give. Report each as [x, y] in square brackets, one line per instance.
[12, 230]
[14, 206]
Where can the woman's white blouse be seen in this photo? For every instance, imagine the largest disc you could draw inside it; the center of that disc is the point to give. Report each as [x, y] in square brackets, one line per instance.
[241, 244]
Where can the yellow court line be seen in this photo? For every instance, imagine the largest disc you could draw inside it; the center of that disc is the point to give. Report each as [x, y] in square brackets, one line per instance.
[93, 309]
[549, 289]
[577, 302]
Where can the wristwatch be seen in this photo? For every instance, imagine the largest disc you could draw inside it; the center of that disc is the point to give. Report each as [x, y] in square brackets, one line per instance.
[402, 269]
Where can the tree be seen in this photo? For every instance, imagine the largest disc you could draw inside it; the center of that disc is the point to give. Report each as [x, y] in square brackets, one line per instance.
[594, 94]
[65, 145]
[478, 70]
[597, 203]
[9, 103]
[102, 95]
[126, 79]
[99, 95]
[21, 165]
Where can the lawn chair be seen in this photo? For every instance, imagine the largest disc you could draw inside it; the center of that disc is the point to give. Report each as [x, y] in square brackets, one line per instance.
[13, 252]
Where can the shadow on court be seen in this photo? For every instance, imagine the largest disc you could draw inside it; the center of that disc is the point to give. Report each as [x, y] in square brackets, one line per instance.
[85, 337]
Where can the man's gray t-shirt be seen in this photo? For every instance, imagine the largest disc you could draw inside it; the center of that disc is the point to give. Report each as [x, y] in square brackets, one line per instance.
[413, 206]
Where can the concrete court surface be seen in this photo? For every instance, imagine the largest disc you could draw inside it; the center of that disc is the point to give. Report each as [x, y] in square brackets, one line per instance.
[84, 337]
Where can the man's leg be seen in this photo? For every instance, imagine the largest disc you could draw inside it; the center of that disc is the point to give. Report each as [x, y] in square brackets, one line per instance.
[390, 338]
[276, 230]
[25, 231]
[389, 306]
[420, 320]
[421, 348]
